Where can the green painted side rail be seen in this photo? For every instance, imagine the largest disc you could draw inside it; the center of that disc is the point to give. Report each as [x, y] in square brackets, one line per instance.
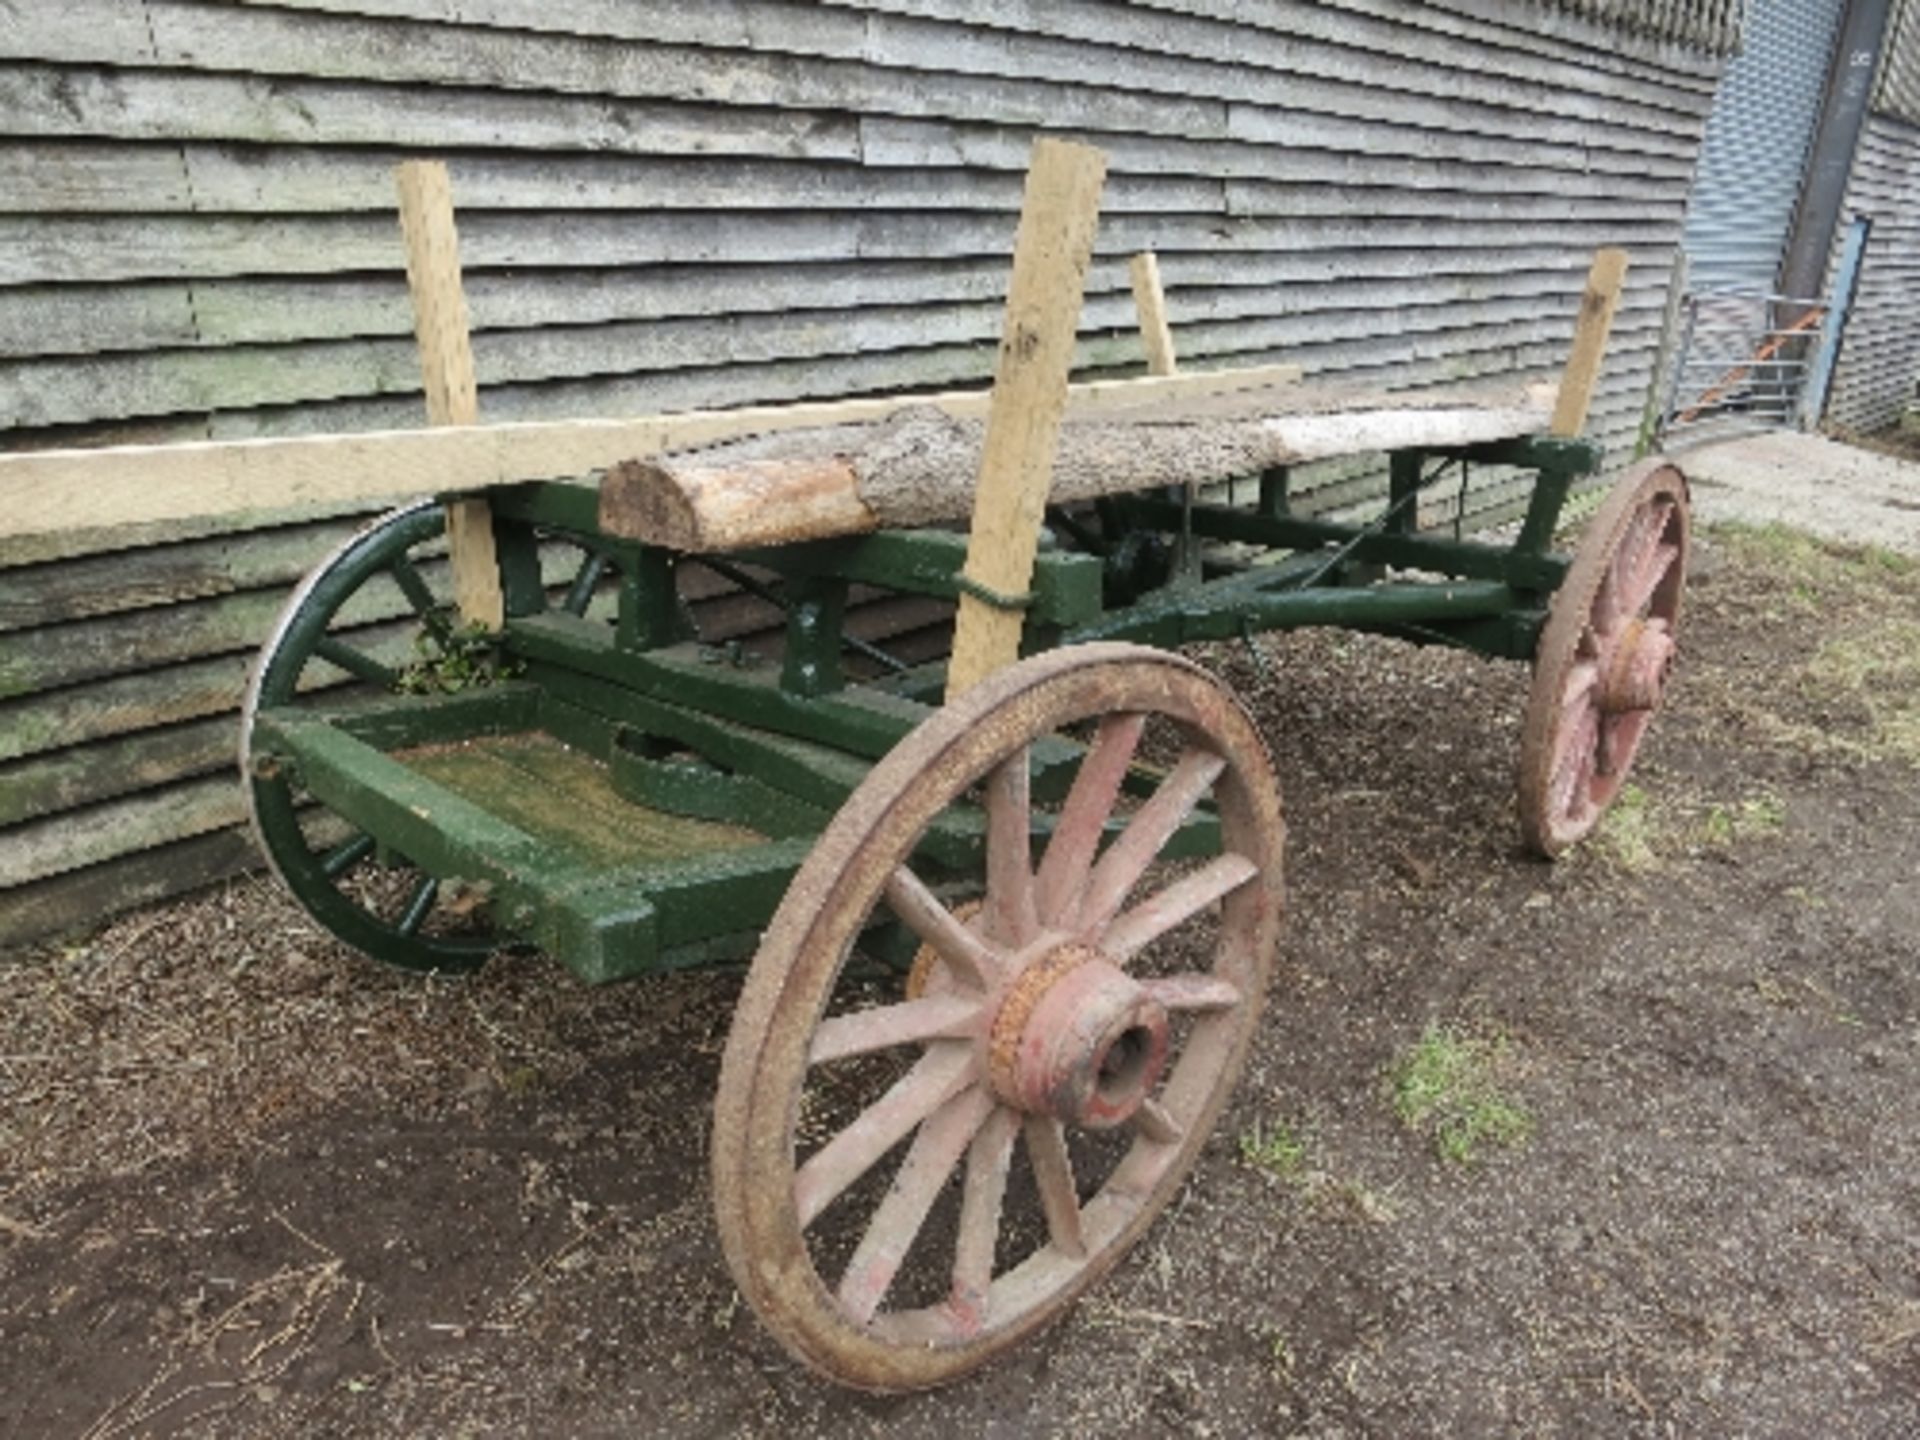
[605, 923]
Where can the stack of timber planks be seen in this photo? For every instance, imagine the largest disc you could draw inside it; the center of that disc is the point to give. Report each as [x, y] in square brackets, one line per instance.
[666, 206]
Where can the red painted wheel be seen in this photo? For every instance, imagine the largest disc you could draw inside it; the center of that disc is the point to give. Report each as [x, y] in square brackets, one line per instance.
[1604, 658]
[907, 1187]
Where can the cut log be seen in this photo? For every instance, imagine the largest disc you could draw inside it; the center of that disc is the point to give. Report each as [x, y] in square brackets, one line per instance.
[917, 467]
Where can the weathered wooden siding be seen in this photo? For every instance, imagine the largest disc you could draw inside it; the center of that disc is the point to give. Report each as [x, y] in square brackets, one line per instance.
[666, 205]
[1879, 364]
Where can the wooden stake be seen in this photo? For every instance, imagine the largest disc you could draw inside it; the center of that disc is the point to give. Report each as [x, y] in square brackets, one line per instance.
[446, 365]
[1589, 342]
[1050, 256]
[1151, 303]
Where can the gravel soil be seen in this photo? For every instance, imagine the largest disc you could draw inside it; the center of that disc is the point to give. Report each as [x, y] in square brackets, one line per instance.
[253, 1186]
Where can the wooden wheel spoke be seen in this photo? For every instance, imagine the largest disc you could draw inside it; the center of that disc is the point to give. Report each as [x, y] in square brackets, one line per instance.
[355, 662]
[936, 1017]
[1155, 1122]
[1581, 680]
[1160, 912]
[1053, 1176]
[1646, 578]
[989, 1159]
[1146, 835]
[419, 903]
[936, 1077]
[1083, 819]
[580, 592]
[967, 956]
[935, 1151]
[414, 586]
[1574, 761]
[1617, 572]
[1193, 992]
[347, 854]
[1009, 909]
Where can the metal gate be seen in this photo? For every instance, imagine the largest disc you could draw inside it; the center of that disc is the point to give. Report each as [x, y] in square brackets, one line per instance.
[1743, 360]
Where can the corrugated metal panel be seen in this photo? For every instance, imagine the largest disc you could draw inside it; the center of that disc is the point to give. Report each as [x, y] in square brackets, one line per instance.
[1897, 90]
[1755, 150]
[1712, 25]
[1880, 354]
[675, 205]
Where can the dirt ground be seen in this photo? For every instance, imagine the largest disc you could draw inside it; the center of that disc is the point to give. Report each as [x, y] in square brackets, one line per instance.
[250, 1186]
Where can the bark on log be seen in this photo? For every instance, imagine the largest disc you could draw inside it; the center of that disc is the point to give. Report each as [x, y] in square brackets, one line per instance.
[917, 467]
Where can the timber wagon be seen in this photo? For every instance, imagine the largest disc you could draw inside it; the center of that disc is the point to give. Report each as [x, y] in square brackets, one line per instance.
[1010, 916]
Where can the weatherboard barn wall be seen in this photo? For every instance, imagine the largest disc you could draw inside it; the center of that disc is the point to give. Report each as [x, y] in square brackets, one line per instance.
[1878, 369]
[671, 205]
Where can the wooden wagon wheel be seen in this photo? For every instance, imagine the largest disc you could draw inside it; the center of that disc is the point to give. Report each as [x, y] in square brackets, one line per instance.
[364, 895]
[1049, 1089]
[1604, 657]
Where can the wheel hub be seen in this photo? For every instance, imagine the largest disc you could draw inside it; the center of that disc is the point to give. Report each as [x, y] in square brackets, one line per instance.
[1637, 674]
[1079, 1039]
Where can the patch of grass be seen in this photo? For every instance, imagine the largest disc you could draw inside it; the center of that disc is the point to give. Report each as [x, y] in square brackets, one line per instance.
[1639, 831]
[1628, 831]
[1447, 1085]
[1756, 816]
[1376, 1207]
[1804, 558]
[1276, 1148]
[1857, 693]
[1878, 668]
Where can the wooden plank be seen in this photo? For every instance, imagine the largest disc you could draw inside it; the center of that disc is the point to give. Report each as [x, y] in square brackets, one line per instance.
[1310, 38]
[80, 838]
[51, 491]
[163, 575]
[1301, 79]
[116, 176]
[1305, 37]
[1050, 258]
[1150, 302]
[1365, 158]
[402, 53]
[446, 366]
[798, 29]
[176, 106]
[45, 249]
[79, 320]
[82, 899]
[1589, 346]
[77, 31]
[87, 774]
[939, 56]
[47, 392]
[1426, 357]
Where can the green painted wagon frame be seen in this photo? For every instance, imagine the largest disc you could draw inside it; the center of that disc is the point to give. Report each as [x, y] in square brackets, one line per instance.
[633, 800]
[1008, 952]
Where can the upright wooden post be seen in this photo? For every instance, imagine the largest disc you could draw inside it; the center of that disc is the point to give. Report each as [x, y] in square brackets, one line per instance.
[1050, 256]
[1590, 332]
[1150, 304]
[446, 365]
[1150, 301]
